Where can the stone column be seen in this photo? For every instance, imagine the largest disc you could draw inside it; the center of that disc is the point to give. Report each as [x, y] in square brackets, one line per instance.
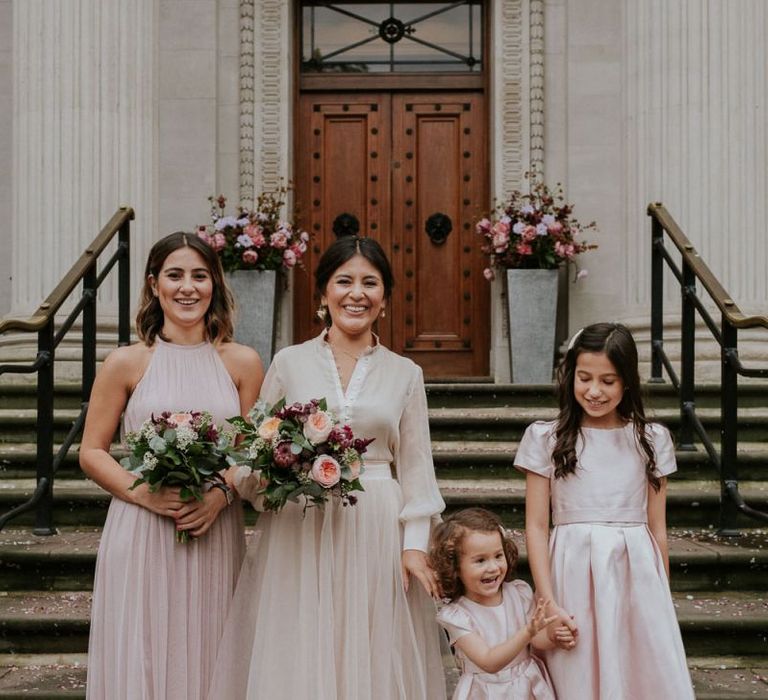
[83, 110]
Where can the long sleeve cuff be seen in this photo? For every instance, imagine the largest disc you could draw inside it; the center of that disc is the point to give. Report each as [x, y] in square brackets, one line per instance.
[416, 533]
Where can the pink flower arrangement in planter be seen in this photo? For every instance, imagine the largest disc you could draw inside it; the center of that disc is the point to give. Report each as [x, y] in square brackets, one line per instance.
[255, 240]
[533, 231]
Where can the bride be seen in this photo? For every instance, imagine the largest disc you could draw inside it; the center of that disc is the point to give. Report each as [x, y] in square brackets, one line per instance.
[336, 603]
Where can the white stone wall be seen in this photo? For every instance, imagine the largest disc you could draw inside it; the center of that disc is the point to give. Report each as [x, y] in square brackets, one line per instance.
[6, 150]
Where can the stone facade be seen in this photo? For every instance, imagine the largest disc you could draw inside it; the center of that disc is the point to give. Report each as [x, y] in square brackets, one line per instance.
[160, 103]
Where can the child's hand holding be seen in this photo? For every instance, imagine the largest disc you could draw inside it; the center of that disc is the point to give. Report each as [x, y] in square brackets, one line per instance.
[563, 637]
[539, 619]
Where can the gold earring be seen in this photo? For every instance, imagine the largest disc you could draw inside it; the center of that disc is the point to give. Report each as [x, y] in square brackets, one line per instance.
[383, 313]
[322, 312]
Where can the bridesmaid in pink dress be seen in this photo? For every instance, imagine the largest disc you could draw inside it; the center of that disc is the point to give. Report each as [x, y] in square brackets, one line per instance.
[159, 606]
[603, 466]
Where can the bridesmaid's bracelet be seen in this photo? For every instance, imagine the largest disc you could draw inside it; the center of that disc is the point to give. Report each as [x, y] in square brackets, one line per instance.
[226, 491]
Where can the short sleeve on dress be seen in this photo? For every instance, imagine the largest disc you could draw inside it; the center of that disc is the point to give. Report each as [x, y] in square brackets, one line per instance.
[456, 622]
[664, 449]
[534, 453]
[523, 592]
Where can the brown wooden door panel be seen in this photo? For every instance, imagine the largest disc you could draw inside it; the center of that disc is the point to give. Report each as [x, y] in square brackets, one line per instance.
[342, 168]
[440, 312]
[394, 161]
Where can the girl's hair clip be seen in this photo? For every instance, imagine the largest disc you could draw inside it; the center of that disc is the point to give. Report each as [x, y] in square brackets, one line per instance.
[575, 337]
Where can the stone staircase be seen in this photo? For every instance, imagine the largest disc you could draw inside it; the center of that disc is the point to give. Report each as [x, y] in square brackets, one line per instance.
[719, 585]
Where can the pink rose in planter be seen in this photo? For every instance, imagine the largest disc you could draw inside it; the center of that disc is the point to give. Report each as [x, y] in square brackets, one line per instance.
[250, 256]
[326, 471]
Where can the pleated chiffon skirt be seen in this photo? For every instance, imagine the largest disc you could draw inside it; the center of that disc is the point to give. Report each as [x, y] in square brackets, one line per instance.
[320, 610]
[159, 607]
[611, 578]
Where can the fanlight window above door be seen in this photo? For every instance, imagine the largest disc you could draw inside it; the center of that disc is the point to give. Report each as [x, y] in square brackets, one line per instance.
[353, 37]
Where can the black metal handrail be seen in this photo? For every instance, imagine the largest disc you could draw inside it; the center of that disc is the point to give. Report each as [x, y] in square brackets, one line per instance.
[48, 339]
[726, 334]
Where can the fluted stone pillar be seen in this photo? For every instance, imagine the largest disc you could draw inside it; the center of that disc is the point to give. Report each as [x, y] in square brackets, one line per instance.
[83, 109]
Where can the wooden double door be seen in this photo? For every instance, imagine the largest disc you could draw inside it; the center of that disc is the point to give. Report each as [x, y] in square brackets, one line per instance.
[411, 171]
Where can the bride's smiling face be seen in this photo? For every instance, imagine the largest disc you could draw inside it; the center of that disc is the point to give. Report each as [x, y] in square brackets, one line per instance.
[183, 287]
[354, 296]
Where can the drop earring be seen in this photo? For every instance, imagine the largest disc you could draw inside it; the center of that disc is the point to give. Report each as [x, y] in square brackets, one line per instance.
[383, 313]
[322, 312]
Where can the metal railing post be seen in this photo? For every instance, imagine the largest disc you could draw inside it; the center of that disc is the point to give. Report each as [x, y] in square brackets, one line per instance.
[44, 427]
[124, 285]
[89, 332]
[729, 473]
[687, 357]
[657, 300]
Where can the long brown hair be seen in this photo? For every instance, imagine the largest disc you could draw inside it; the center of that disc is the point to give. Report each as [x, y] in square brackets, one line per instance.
[218, 317]
[447, 539]
[617, 343]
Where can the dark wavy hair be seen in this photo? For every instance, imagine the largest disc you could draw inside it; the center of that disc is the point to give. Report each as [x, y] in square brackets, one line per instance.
[446, 541]
[344, 249]
[617, 343]
[218, 317]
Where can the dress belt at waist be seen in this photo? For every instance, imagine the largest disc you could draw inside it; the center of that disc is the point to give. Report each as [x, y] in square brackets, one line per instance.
[376, 469]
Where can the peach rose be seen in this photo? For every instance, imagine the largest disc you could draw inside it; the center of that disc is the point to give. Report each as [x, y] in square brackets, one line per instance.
[318, 427]
[326, 471]
[268, 428]
[179, 419]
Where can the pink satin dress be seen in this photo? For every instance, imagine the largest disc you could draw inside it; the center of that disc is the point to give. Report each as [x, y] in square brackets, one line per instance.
[525, 677]
[607, 570]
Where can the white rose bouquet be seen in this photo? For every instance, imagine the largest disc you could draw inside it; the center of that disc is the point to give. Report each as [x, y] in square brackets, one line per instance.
[300, 450]
[183, 450]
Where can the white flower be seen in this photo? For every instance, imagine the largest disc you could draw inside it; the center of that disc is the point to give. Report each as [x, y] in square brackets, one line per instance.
[541, 229]
[243, 222]
[527, 209]
[581, 274]
[185, 436]
[150, 461]
[548, 219]
[256, 447]
[505, 219]
[224, 222]
[148, 430]
[518, 228]
[244, 240]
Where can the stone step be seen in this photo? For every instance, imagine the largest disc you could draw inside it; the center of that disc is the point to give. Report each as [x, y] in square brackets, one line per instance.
[488, 394]
[446, 424]
[699, 559]
[690, 503]
[55, 622]
[62, 676]
[465, 459]
[16, 392]
[509, 423]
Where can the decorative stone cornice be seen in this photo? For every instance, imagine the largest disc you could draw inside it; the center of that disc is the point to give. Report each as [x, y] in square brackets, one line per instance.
[536, 83]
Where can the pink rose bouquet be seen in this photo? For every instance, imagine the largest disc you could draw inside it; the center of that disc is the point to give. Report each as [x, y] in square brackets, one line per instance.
[534, 230]
[183, 449]
[255, 240]
[300, 450]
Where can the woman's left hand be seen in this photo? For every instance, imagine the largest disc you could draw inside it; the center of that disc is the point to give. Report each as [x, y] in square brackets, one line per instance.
[415, 564]
[198, 516]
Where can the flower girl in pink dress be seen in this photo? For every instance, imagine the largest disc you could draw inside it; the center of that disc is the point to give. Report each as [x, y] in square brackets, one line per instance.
[492, 619]
[602, 467]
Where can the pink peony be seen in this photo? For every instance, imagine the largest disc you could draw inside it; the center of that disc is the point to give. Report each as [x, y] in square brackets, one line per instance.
[289, 258]
[318, 427]
[524, 248]
[256, 234]
[483, 227]
[529, 234]
[555, 228]
[278, 240]
[179, 419]
[250, 256]
[219, 241]
[488, 274]
[326, 471]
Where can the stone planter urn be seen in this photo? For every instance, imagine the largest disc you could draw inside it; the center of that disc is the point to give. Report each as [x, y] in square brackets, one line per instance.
[532, 307]
[255, 293]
